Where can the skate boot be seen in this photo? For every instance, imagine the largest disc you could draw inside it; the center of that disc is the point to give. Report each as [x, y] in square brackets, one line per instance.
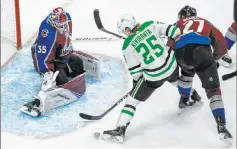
[223, 132]
[183, 102]
[226, 60]
[32, 108]
[195, 96]
[28, 106]
[117, 135]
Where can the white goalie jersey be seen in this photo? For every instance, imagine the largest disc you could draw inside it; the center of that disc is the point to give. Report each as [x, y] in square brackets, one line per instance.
[147, 55]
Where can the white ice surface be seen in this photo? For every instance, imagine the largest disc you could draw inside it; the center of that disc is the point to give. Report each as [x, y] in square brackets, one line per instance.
[155, 123]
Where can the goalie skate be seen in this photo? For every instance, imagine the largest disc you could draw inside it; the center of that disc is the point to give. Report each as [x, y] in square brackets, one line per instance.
[117, 135]
[31, 108]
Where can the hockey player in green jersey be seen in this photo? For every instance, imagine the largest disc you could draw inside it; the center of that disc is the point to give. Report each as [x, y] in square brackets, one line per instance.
[151, 63]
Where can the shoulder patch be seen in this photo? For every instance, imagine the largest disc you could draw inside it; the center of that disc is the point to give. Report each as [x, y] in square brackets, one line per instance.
[44, 33]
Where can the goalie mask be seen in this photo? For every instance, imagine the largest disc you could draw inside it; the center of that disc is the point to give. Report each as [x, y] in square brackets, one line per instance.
[126, 24]
[58, 19]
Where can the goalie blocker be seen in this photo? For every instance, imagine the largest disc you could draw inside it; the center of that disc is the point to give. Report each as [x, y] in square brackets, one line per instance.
[57, 96]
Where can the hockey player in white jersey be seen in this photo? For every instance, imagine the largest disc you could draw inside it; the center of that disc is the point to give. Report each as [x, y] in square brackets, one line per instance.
[150, 62]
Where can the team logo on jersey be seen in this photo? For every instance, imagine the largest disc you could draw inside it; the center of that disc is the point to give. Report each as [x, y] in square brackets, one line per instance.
[44, 32]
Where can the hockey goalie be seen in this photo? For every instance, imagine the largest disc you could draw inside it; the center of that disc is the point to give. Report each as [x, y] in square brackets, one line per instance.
[55, 60]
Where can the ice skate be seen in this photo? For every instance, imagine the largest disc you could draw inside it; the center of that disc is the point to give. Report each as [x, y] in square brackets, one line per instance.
[226, 60]
[117, 135]
[183, 104]
[224, 134]
[195, 96]
[186, 103]
[32, 108]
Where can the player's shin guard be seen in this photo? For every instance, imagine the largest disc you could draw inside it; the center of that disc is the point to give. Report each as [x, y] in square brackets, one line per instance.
[127, 112]
[217, 107]
[118, 134]
[185, 85]
[184, 88]
[218, 111]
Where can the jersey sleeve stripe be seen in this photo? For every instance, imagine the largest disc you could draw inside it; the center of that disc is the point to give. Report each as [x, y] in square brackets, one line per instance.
[133, 68]
[173, 32]
[135, 72]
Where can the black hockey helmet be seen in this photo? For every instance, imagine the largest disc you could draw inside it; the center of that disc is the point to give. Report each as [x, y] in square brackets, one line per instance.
[187, 11]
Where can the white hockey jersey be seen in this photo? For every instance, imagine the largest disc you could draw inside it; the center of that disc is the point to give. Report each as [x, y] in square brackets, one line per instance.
[146, 53]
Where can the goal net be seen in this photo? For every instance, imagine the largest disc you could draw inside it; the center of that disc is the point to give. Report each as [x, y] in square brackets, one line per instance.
[10, 23]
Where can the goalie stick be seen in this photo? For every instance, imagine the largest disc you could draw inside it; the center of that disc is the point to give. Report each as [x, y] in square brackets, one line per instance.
[91, 117]
[229, 75]
[100, 25]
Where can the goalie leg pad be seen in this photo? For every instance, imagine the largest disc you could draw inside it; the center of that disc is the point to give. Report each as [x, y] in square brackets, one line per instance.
[90, 64]
[55, 98]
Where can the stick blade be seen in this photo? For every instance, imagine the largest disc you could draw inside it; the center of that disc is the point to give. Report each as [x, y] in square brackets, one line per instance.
[85, 116]
[89, 117]
[97, 19]
[225, 77]
[228, 76]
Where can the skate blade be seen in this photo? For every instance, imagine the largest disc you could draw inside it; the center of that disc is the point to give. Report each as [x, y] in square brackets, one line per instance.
[227, 141]
[225, 64]
[197, 104]
[31, 113]
[24, 108]
[181, 111]
[116, 139]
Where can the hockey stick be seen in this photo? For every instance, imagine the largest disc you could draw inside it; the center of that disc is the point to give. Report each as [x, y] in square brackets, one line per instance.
[100, 25]
[91, 117]
[229, 75]
[95, 39]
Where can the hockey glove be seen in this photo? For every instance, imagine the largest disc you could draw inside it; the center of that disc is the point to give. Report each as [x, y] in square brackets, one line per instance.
[60, 63]
[171, 43]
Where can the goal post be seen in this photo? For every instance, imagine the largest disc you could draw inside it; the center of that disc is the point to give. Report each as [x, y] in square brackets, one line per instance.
[11, 23]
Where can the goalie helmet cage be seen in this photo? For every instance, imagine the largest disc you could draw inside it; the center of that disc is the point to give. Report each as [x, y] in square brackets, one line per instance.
[10, 23]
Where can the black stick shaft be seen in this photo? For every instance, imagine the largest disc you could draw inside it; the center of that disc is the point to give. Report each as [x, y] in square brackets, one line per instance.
[91, 117]
[100, 26]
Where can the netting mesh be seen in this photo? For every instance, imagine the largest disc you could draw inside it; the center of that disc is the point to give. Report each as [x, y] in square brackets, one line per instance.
[8, 22]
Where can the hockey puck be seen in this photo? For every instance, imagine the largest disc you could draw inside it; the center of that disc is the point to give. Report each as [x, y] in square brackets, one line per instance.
[96, 135]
